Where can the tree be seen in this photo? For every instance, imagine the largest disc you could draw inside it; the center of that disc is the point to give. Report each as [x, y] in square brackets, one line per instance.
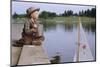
[67, 13]
[93, 12]
[44, 15]
[88, 12]
[15, 15]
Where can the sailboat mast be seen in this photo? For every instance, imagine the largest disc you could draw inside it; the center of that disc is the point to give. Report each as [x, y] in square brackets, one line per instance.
[78, 36]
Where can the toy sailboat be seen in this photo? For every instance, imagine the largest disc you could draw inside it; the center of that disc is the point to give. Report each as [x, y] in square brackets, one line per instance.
[83, 52]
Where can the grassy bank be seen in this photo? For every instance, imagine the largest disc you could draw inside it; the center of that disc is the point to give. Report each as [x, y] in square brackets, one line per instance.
[70, 19]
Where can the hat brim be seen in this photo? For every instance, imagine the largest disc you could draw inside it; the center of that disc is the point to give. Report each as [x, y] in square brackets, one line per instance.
[37, 9]
[34, 10]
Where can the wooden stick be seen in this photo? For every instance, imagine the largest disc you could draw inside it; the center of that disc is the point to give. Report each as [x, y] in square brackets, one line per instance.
[78, 45]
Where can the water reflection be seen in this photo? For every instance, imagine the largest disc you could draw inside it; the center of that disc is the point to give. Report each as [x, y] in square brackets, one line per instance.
[49, 25]
[89, 27]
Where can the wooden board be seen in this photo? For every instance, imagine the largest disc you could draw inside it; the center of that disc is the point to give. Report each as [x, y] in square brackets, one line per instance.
[32, 54]
[15, 54]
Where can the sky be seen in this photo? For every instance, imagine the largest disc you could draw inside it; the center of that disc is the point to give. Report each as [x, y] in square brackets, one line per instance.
[20, 7]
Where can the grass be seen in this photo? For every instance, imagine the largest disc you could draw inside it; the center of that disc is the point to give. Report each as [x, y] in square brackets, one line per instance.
[57, 19]
[70, 19]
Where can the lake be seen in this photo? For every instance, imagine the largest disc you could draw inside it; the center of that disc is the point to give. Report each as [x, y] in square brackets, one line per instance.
[61, 39]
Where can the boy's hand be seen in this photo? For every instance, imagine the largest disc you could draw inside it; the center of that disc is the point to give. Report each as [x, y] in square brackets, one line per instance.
[34, 30]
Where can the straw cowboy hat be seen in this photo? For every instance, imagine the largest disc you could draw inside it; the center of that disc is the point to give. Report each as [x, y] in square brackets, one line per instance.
[30, 10]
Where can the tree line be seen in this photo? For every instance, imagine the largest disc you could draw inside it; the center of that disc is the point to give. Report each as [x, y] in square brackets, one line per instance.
[15, 15]
[87, 13]
[47, 14]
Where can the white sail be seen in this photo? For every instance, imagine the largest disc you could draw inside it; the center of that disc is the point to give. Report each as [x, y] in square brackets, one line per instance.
[84, 49]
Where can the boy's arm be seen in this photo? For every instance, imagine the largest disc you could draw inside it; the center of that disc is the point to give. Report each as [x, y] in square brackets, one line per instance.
[27, 28]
